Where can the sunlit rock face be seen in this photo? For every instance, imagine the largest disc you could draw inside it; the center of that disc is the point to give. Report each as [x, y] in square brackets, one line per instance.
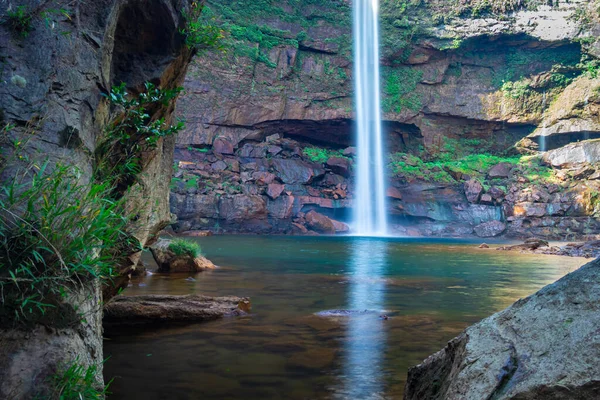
[474, 72]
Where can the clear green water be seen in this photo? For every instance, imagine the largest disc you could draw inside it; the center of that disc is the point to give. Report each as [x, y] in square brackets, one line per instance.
[430, 289]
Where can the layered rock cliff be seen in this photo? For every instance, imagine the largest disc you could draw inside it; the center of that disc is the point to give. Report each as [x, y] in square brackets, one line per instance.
[60, 60]
[475, 77]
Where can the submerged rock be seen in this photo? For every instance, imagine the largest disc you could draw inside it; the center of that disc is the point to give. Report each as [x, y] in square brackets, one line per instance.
[196, 233]
[546, 346]
[344, 313]
[131, 310]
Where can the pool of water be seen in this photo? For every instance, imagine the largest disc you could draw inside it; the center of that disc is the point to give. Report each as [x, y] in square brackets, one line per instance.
[429, 289]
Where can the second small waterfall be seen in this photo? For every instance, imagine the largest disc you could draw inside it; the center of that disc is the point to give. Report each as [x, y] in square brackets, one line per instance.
[369, 210]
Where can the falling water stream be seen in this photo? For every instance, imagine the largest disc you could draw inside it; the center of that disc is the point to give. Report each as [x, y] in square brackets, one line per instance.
[370, 211]
[542, 141]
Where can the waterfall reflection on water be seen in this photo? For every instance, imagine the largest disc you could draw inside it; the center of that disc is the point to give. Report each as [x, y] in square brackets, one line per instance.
[365, 343]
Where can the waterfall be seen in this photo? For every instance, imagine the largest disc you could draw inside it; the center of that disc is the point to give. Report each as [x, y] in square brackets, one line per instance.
[369, 209]
[542, 144]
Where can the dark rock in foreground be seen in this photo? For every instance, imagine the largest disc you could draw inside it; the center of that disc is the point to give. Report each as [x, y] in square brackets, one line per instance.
[546, 346]
[132, 310]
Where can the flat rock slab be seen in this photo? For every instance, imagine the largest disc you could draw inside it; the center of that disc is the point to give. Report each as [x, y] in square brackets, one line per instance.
[546, 346]
[133, 310]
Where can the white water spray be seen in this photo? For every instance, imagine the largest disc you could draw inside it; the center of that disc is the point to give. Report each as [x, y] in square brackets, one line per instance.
[542, 144]
[370, 209]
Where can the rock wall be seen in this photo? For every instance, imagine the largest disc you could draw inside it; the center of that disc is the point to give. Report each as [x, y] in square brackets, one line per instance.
[499, 73]
[543, 347]
[55, 71]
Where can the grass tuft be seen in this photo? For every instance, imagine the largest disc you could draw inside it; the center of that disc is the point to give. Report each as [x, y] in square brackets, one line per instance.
[77, 382]
[183, 247]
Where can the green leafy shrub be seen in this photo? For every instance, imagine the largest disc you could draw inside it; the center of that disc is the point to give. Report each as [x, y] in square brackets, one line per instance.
[516, 90]
[183, 247]
[320, 154]
[201, 31]
[136, 130]
[19, 20]
[77, 382]
[399, 89]
[57, 236]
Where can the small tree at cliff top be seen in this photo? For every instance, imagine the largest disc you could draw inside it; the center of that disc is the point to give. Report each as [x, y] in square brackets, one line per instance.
[201, 30]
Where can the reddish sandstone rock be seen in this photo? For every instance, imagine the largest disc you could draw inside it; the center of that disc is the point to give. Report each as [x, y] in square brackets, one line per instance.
[274, 190]
[486, 199]
[339, 165]
[242, 207]
[473, 189]
[490, 229]
[501, 170]
[281, 208]
[222, 146]
[253, 151]
[263, 178]
[340, 227]
[295, 171]
[394, 193]
[319, 223]
[299, 229]
[496, 193]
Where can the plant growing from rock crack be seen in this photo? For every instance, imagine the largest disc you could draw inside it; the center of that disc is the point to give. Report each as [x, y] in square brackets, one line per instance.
[136, 130]
[201, 31]
[183, 247]
[19, 20]
[76, 382]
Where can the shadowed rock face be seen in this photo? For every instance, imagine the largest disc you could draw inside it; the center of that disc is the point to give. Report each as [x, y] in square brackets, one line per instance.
[546, 346]
[56, 78]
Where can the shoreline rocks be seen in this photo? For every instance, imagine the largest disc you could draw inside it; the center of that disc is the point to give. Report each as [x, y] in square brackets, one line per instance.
[543, 347]
[589, 249]
[135, 310]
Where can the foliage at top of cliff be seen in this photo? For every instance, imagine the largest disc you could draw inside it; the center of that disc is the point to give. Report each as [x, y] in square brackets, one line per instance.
[254, 28]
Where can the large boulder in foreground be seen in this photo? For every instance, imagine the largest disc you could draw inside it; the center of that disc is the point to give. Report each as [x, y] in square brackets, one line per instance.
[546, 346]
[168, 261]
[133, 310]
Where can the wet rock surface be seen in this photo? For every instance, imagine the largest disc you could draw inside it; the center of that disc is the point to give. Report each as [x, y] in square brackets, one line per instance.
[133, 310]
[589, 249]
[168, 261]
[543, 347]
[255, 195]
